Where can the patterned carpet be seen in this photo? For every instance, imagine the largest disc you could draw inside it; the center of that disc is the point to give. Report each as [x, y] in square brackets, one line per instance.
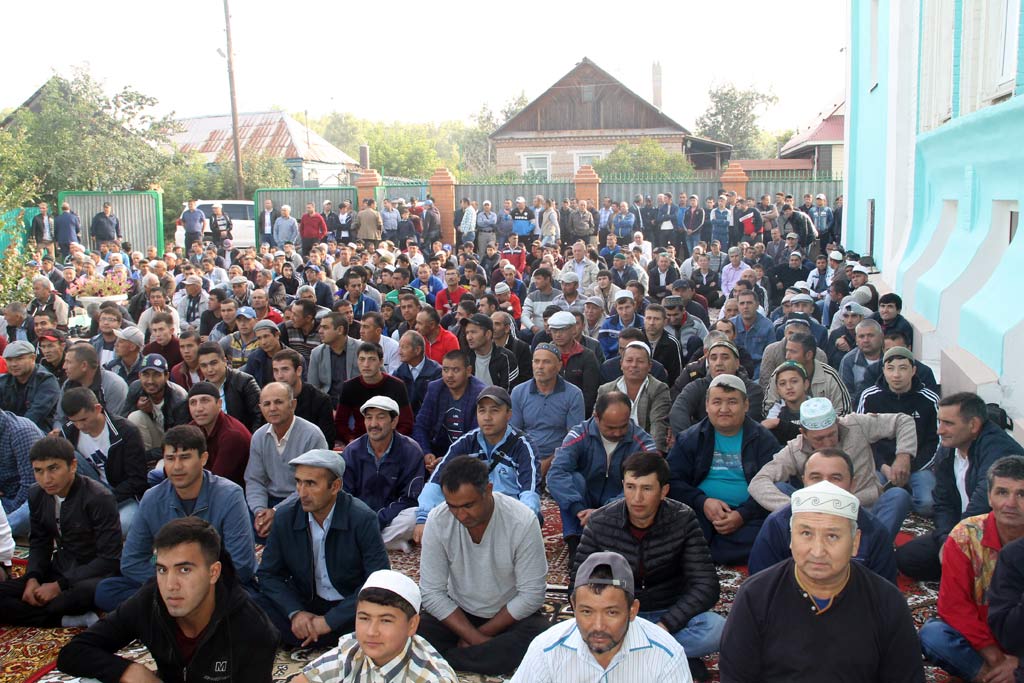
[27, 655]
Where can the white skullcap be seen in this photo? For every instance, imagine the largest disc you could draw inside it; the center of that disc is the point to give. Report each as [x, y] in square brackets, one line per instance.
[397, 583]
[825, 497]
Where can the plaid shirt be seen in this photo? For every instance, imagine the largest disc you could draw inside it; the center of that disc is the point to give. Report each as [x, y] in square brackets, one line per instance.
[16, 438]
[346, 663]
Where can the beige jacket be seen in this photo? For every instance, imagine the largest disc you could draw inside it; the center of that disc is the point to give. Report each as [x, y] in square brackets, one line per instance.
[775, 355]
[368, 225]
[856, 434]
[825, 383]
[652, 408]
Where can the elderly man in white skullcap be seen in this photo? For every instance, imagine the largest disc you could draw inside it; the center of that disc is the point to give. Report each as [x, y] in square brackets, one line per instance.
[818, 616]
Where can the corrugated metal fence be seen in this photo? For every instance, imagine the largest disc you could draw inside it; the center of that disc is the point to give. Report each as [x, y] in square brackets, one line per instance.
[141, 214]
[797, 188]
[298, 197]
[498, 192]
[624, 192]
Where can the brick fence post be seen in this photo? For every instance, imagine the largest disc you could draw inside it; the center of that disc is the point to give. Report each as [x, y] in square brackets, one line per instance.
[588, 185]
[735, 179]
[366, 186]
[441, 187]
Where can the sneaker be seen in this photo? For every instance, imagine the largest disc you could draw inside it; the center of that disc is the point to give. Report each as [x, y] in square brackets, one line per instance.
[79, 620]
[698, 670]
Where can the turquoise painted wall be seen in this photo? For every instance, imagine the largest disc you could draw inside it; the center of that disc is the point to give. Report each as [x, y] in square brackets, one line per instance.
[868, 109]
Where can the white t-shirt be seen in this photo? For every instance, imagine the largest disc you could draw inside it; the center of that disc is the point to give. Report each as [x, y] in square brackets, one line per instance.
[960, 465]
[89, 447]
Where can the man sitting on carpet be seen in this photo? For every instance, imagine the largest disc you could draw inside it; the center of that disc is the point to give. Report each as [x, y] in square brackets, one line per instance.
[483, 572]
[959, 639]
[712, 464]
[773, 541]
[322, 546]
[189, 490]
[586, 471]
[969, 442]
[66, 559]
[196, 620]
[384, 645]
[1006, 599]
[513, 463]
[819, 616]
[854, 434]
[384, 469]
[662, 541]
[607, 640]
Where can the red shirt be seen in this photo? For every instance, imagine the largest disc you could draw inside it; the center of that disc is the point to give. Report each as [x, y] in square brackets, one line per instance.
[171, 352]
[273, 315]
[446, 303]
[445, 342]
[968, 559]
[228, 448]
[312, 227]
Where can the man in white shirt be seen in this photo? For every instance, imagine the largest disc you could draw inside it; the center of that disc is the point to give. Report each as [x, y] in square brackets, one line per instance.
[606, 641]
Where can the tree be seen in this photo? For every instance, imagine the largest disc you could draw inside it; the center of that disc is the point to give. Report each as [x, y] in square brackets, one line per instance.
[188, 176]
[644, 158]
[769, 144]
[79, 138]
[732, 117]
[17, 189]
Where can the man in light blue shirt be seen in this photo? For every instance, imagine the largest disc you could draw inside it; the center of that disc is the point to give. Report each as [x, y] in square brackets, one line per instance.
[194, 221]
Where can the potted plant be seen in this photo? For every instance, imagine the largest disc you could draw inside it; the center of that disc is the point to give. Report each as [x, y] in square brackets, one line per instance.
[96, 290]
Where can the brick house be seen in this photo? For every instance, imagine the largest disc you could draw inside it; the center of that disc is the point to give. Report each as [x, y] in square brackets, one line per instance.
[582, 117]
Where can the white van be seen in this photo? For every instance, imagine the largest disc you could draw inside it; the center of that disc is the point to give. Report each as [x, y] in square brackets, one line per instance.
[243, 221]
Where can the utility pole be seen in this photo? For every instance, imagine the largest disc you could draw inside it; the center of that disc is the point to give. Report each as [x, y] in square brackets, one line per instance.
[239, 192]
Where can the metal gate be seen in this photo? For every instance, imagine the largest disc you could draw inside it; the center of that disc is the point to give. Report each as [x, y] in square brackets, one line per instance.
[141, 215]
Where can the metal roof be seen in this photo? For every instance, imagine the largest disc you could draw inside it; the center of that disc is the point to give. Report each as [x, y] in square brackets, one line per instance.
[828, 131]
[272, 133]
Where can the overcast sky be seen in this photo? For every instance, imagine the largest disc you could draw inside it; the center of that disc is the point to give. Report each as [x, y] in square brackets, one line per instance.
[395, 61]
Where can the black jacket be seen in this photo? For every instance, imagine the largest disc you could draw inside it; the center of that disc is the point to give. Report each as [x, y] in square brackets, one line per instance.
[689, 407]
[524, 357]
[88, 543]
[126, 458]
[992, 443]
[242, 397]
[238, 645]
[175, 408]
[503, 368]
[918, 402]
[654, 286]
[1005, 601]
[315, 406]
[418, 388]
[668, 352]
[672, 567]
[690, 462]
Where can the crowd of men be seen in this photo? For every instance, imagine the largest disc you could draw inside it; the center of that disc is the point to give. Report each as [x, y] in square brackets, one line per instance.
[715, 385]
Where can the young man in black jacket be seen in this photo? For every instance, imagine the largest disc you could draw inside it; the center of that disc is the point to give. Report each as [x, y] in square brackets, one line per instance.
[75, 542]
[663, 543]
[195, 620]
[109, 449]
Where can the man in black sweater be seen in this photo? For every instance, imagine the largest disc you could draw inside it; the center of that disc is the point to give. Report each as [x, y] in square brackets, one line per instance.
[663, 543]
[195, 619]
[75, 542]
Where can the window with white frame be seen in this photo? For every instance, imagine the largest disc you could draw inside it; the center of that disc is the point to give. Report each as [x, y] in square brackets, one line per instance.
[988, 62]
[587, 158]
[936, 104]
[537, 165]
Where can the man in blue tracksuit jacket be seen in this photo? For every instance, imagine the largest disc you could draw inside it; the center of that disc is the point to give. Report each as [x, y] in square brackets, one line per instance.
[523, 222]
[582, 475]
[509, 453]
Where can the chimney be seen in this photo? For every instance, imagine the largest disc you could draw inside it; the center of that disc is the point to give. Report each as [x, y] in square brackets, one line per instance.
[656, 77]
[364, 156]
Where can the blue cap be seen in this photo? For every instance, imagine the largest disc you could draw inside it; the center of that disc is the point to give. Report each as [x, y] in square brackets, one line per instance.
[154, 361]
[310, 266]
[246, 312]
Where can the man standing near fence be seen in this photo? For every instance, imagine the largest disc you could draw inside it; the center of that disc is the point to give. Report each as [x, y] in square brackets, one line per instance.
[105, 228]
[192, 220]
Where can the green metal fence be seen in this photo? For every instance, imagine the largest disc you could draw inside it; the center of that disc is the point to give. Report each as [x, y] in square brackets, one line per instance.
[24, 228]
[298, 197]
[141, 214]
